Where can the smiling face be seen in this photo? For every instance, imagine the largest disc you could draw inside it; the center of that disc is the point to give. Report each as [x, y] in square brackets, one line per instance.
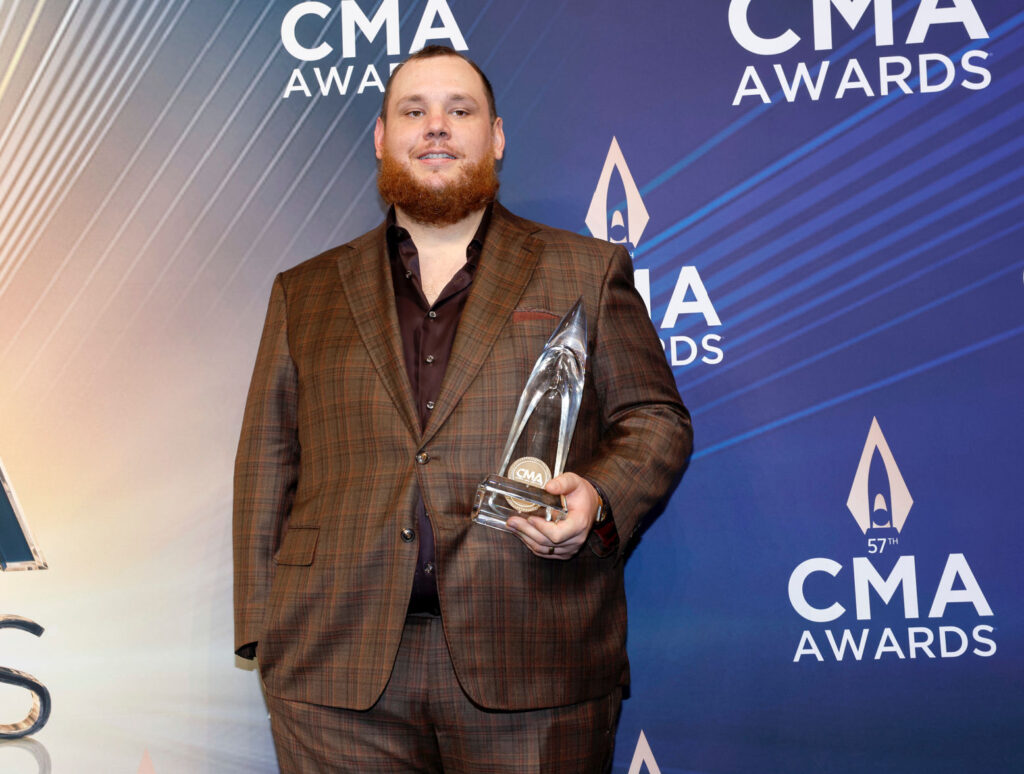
[438, 142]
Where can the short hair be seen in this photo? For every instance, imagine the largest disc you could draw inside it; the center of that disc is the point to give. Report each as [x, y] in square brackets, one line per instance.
[429, 52]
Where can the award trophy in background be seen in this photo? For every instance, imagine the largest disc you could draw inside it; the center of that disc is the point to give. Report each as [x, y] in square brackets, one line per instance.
[538, 441]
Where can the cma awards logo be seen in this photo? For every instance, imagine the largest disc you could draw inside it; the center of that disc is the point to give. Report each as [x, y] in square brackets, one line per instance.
[643, 757]
[18, 551]
[689, 296]
[880, 502]
[751, 20]
[299, 36]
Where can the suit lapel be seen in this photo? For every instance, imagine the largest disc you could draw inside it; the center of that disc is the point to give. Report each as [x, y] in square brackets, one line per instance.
[366, 280]
[509, 256]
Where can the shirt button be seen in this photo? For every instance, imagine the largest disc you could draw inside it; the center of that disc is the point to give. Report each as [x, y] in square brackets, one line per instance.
[408, 275]
[430, 405]
[429, 358]
[408, 535]
[431, 314]
[422, 458]
[428, 568]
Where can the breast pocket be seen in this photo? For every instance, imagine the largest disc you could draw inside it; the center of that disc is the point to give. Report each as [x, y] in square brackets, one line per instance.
[528, 334]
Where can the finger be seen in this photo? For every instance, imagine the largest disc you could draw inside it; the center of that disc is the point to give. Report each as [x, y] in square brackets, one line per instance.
[537, 536]
[548, 531]
[528, 528]
[559, 531]
[560, 535]
[545, 550]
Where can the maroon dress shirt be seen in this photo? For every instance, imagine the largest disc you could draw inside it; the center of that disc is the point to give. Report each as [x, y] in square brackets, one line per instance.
[428, 332]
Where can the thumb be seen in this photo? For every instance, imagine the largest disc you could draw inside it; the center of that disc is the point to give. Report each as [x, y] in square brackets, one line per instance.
[562, 484]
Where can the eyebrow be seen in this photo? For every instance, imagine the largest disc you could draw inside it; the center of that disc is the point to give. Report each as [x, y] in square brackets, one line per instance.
[414, 98]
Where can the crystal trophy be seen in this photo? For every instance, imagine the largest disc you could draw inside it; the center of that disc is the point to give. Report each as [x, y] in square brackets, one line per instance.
[538, 441]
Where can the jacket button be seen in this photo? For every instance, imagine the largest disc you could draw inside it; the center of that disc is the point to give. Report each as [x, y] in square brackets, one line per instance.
[408, 535]
[422, 458]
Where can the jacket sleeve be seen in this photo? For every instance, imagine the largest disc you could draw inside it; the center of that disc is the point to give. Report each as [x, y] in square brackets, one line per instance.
[266, 473]
[646, 436]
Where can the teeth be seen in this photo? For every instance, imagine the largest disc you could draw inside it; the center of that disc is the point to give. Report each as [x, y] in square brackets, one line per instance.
[437, 156]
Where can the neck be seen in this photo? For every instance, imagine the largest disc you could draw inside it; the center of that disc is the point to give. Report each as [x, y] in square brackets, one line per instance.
[429, 238]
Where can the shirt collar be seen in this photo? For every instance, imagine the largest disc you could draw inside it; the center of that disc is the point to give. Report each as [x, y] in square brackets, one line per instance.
[396, 235]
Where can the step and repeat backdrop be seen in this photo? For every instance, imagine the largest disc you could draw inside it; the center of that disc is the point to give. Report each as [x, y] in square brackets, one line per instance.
[823, 201]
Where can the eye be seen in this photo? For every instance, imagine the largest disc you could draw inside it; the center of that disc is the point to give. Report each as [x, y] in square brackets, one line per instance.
[414, 113]
[460, 112]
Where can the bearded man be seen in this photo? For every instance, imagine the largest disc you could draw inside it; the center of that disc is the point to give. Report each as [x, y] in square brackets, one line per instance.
[393, 634]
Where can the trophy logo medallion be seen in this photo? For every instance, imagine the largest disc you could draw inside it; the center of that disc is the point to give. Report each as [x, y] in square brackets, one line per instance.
[528, 470]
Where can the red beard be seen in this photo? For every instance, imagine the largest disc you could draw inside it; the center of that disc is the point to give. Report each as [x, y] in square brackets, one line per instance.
[474, 190]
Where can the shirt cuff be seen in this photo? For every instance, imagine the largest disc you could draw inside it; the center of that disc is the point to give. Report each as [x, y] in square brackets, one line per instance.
[605, 531]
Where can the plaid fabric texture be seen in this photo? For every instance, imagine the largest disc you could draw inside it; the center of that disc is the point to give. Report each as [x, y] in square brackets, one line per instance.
[331, 456]
[424, 722]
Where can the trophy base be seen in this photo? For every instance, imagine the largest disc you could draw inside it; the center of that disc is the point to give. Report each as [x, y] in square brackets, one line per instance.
[494, 500]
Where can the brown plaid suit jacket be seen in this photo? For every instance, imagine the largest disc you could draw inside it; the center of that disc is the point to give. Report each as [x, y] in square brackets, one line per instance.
[326, 475]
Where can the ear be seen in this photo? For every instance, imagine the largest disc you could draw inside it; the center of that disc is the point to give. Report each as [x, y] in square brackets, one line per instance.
[378, 138]
[498, 138]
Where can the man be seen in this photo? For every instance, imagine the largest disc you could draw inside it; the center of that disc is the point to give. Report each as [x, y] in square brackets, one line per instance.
[392, 633]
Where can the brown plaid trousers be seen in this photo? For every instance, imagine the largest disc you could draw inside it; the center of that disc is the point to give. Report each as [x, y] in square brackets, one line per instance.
[425, 723]
[326, 475]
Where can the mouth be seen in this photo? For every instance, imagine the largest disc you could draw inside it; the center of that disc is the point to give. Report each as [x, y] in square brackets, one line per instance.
[436, 156]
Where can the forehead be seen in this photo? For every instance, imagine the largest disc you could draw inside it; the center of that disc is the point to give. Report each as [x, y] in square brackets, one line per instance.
[437, 77]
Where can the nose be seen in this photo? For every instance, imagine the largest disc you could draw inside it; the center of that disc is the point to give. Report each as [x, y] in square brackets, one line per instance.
[437, 127]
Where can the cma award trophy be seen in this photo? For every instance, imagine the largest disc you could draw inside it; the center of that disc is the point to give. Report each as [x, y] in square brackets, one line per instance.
[538, 441]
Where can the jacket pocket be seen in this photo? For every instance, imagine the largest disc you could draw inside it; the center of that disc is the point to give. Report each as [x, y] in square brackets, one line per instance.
[298, 546]
[521, 315]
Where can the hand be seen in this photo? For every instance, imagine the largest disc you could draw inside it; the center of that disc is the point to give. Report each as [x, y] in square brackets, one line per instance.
[560, 539]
